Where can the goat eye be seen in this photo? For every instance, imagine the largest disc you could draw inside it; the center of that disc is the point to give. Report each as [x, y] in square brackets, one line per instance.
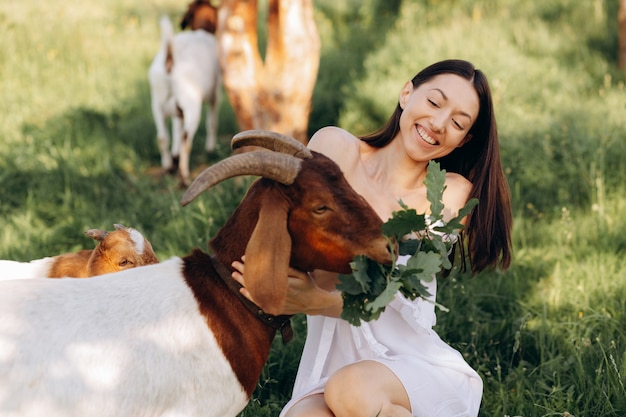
[320, 209]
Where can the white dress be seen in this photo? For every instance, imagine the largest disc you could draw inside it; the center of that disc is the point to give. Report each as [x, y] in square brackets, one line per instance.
[436, 377]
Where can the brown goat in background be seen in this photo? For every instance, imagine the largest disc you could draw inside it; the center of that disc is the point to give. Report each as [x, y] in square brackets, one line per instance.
[118, 250]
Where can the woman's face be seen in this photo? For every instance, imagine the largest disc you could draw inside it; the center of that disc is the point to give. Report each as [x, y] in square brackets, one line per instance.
[437, 116]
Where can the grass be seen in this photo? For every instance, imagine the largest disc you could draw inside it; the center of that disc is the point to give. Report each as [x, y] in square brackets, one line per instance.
[548, 335]
[77, 151]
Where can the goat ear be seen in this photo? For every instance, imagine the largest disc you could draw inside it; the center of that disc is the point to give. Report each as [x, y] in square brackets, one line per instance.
[267, 255]
[97, 234]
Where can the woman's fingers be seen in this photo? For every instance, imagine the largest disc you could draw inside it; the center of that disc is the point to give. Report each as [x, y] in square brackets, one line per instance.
[238, 266]
[300, 287]
[246, 294]
[237, 275]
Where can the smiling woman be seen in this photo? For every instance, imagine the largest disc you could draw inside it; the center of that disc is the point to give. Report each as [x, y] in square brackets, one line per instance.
[397, 365]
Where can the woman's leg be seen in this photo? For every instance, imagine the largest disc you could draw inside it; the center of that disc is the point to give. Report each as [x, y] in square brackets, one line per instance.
[311, 406]
[366, 389]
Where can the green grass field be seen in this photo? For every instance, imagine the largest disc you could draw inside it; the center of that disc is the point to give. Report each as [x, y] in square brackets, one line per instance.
[548, 336]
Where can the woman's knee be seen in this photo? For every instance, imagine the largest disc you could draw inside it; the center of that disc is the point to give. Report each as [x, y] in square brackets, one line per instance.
[311, 406]
[365, 389]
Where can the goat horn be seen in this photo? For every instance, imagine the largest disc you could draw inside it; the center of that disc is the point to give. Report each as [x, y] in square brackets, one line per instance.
[275, 166]
[271, 140]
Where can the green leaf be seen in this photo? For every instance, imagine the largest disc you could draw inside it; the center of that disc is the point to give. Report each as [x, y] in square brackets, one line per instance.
[380, 302]
[435, 186]
[408, 247]
[359, 280]
[429, 263]
[353, 310]
[380, 275]
[442, 248]
[403, 222]
[413, 288]
[349, 285]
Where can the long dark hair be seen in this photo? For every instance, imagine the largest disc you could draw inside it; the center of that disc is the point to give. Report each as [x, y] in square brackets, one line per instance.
[488, 231]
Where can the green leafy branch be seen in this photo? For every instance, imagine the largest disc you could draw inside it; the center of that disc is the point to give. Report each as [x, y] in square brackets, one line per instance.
[426, 238]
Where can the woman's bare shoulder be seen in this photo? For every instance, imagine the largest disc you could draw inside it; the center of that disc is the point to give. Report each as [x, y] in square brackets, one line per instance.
[457, 180]
[456, 194]
[334, 142]
[339, 145]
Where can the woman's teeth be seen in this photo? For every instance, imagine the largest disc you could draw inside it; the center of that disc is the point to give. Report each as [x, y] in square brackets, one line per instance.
[425, 136]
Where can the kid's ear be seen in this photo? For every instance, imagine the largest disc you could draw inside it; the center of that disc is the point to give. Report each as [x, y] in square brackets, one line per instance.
[405, 93]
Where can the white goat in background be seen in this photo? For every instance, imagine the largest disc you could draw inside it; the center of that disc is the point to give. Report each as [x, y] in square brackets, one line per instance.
[184, 74]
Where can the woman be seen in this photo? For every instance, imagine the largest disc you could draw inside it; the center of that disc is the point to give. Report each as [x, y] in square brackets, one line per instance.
[397, 365]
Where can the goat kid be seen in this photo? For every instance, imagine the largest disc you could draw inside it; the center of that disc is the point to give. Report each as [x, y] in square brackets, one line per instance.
[178, 338]
[118, 250]
[184, 74]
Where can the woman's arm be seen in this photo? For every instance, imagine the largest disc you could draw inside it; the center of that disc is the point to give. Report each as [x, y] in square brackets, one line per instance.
[304, 295]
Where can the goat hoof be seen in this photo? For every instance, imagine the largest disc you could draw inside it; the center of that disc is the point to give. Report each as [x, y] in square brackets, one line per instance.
[183, 183]
[168, 171]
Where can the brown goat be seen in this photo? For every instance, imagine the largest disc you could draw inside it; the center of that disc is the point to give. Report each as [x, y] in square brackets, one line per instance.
[303, 214]
[120, 249]
[331, 226]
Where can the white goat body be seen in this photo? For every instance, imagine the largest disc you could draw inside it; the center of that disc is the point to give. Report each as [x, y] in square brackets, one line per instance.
[140, 348]
[183, 75]
[21, 270]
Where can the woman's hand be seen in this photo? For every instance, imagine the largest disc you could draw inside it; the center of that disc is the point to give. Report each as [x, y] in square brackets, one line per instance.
[303, 294]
